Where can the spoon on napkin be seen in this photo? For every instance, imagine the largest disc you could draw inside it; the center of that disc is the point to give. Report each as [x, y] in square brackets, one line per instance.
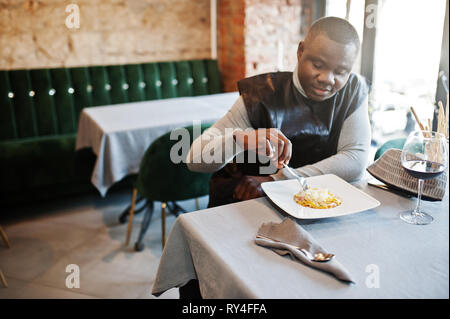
[318, 257]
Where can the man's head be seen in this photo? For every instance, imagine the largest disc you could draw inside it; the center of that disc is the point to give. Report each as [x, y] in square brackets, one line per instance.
[326, 57]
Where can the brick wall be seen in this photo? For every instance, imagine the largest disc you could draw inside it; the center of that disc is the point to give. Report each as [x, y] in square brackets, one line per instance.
[231, 42]
[33, 33]
[272, 35]
[258, 36]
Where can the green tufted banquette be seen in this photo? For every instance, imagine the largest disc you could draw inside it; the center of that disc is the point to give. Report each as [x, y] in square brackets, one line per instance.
[40, 108]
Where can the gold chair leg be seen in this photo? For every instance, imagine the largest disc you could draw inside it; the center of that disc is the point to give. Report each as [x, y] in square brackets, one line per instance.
[163, 224]
[130, 217]
[197, 204]
[5, 238]
[3, 279]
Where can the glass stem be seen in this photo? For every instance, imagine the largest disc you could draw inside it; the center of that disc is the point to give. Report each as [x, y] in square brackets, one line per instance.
[419, 196]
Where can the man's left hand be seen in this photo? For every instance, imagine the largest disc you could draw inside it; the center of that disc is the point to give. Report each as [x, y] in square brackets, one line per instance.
[249, 187]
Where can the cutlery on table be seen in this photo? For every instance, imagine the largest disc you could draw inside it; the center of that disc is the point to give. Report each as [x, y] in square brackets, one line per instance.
[301, 179]
[387, 188]
[318, 257]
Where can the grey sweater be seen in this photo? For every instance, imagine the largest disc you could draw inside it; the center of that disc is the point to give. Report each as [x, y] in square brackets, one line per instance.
[348, 163]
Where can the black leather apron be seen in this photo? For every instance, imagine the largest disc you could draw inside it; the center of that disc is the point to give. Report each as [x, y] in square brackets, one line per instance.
[272, 101]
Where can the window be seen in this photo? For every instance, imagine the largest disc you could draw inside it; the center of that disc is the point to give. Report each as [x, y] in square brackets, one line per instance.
[406, 60]
[353, 11]
[406, 66]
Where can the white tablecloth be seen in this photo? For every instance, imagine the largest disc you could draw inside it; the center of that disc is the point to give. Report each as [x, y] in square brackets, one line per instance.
[387, 257]
[119, 134]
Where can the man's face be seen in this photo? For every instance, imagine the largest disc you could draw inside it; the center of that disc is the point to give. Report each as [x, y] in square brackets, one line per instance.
[324, 66]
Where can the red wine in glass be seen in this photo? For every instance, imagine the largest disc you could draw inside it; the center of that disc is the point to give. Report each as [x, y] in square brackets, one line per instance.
[424, 156]
[423, 169]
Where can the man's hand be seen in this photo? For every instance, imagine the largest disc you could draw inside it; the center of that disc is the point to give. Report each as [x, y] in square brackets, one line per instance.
[249, 187]
[270, 142]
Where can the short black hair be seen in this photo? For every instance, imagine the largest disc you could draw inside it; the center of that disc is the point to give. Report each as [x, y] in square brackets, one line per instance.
[336, 29]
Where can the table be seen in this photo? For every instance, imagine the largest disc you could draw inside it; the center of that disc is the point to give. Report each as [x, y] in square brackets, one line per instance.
[387, 257]
[119, 134]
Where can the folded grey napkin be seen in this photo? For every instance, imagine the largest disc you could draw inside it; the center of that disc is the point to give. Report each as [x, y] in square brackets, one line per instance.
[290, 233]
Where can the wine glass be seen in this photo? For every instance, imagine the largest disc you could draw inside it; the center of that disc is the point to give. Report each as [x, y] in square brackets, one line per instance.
[424, 156]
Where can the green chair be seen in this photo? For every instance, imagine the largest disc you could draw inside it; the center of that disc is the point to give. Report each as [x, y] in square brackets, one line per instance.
[395, 143]
[160, 179]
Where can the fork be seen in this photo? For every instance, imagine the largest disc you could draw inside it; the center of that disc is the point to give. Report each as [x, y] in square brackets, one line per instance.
[301, 179]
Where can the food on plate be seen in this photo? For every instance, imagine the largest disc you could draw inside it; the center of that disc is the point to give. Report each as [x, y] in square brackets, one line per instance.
[319, 198]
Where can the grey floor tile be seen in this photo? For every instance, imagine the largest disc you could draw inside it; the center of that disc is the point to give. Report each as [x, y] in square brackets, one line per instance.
[35, 246]
[20, 289]
[84, 231]
[108, 269]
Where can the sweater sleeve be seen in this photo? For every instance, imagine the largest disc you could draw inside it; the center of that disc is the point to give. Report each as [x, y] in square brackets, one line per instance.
[352, 154]
[216, 147]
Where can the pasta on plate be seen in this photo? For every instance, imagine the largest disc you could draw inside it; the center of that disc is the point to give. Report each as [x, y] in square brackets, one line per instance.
[319, 198]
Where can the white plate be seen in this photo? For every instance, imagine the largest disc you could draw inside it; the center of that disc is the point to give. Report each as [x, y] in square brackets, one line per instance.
[353, 199]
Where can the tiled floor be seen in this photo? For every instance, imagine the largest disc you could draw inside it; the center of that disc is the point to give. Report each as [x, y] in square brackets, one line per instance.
[85, 231]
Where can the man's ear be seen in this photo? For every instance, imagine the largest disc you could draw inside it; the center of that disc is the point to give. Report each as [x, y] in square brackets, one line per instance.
[300, 49]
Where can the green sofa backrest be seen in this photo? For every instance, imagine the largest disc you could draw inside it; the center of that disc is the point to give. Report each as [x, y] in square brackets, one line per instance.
[42, 102]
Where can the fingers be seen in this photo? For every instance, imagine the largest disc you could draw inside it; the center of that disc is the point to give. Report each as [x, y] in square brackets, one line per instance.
[287, 152]
[283, 147]
[269, 142]
[287, 149]
[270, 150]
[264, 147]
[248, 188]
[246, 191]
[279, 146]
[239, 191]
[254, 140]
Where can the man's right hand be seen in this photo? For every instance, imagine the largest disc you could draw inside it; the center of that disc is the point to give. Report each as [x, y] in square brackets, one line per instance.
[270, 142]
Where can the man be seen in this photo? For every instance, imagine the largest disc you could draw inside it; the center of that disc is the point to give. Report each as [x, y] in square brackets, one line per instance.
[315, 119]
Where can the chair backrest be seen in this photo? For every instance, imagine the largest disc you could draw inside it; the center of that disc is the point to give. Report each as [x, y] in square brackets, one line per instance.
[43, 102]
[395, 143]
[163, 180]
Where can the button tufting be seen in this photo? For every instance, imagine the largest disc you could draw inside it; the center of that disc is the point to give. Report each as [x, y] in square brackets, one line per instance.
[174, 81]
[89, 88]
[158, 83]
[70, 90]
[108, 86]
[31, 93]
[10, 95]
[142, 85]
[204, 80]
[190, 80]
[125, 86]
[51, 92]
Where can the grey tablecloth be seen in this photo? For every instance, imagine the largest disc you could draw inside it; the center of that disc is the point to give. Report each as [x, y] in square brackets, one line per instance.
[119, 134]
[387, 257]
